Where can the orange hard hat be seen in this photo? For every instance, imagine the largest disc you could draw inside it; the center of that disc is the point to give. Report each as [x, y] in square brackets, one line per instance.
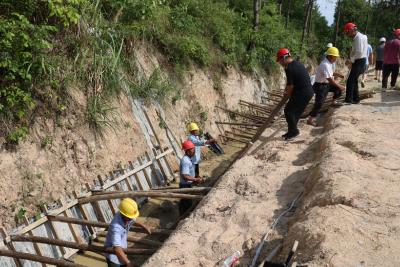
[349, 26]
[187, 145]
[281, 53]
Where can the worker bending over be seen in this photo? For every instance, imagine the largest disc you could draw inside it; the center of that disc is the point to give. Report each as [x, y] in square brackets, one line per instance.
[187, 174]
[198, 142]
[325, 83]
[117, 235]
[298, 89]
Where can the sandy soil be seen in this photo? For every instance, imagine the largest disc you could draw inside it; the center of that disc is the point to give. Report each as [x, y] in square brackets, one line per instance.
[348, 215]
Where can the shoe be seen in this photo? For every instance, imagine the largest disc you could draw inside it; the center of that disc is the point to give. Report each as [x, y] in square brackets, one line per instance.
[284, 135]
[362, 84]
[290, 137]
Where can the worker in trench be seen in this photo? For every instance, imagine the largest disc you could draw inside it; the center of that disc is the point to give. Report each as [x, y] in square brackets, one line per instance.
[325, 83]
[194, 136]
[117, 235]
[187, 173]
[298, 90]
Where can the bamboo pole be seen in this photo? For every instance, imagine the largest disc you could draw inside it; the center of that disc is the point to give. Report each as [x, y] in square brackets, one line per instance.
[79, 246]
[96, 207]
[248, 131]
[153, 168]
[235, 139]
[250, 117]
[35, 246]
[110, 203]
[253, 104]
[10, 246]
[239, 123]
[146, 175]
[102, 224]
[136, 240]
[239, 135]
[54, 230]
[83, 212]
[137, 194]
[37, 258]
[136, 176]
[163, 190]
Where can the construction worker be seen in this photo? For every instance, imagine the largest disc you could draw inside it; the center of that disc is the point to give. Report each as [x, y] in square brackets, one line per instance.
[379, 58]
[358, 58]
[198, 142]
[187, 173]
[325, 83]
[391, 60]
[117, 235]
[369, 59]
[298, 90]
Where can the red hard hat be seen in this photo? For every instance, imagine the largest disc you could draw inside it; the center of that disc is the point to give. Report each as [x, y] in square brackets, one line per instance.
[282, 52]
[349, 26]
[187, 145]
[396, 32]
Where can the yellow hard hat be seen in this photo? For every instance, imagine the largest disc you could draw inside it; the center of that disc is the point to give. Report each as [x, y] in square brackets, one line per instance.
[193, 126]
[332, 51]
[128, 207]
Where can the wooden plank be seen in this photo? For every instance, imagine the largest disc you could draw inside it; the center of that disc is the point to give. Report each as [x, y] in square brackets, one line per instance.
[146, 175]
[54, 231]
[235, 139]
[152, 128]
[35, 246]
[160, 164]
[37, 258]
[167, 163]
[250, 117]
[137, 179]
[9, 245]
[84, 212]
[137, 169]
[239, 123]
[153, 169]
[138, 240]
[110, 203]
[239, 135]
[96, 207]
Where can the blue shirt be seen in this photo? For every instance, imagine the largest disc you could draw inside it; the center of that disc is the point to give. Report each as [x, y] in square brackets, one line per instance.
[186, 168]
[369, 52]
[198, 142]
[117, 236]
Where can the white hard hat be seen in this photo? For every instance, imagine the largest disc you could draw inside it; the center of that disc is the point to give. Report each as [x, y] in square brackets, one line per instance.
[383, 39]
[329, 45]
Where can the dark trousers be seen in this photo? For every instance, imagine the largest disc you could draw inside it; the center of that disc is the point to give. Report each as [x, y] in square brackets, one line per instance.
[196, 170]
[184, 204]
[321, 91]
[112, 264]
[387, 70]
[357, 68]
[294, 109]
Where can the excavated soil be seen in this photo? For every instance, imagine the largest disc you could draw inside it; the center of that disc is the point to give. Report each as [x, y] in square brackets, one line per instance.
[348, 214]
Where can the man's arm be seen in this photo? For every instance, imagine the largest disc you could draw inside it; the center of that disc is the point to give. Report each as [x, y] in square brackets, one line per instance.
[191, 178]
[289, 90]
[122, 256]
[143, 226]
[337, 74]
[334, 83]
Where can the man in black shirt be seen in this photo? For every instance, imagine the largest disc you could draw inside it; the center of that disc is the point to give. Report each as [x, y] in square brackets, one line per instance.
[298, 89]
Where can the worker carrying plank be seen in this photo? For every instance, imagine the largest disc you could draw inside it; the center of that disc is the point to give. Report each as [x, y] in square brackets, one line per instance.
[325, 83]
[117, 235]
[194, 136]
[298, 90]
[187, 173]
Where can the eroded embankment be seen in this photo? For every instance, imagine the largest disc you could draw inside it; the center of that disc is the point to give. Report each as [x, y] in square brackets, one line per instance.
[350, 213]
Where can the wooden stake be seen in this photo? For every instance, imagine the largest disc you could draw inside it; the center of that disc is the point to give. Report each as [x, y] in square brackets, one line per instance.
[54, 230]
[96, 207]
[10, 246]
[137, 179]
[79, 246]
[146, 175]
[153, 169]
[83, 212]
[110, 203]
[42, 259]
[35, 246]
[201, 190]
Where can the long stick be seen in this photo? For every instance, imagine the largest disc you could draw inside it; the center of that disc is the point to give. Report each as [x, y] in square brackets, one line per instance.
[239, 123]
[136, 240]
[33, 257]
[239, 135]
[84, 247]
[101, 224]
[250, 117]
[235, 139]
[137, 194]
[162, 190]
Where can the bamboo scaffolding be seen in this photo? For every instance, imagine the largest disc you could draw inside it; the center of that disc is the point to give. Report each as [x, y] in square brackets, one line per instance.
[239, 123]
[200, 190]
[37, 258]
[79, 246]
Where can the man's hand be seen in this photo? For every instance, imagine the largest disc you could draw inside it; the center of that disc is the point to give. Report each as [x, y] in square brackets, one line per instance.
[342, 88]
[199, 180]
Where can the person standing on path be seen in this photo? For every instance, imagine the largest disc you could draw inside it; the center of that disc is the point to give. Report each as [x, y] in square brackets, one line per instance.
[198, 142]
[370, 60]
[187, 173]
[325, 83]
[117, 235]
[379, 58]
[358, 58]
[298, 90]
[391, 61]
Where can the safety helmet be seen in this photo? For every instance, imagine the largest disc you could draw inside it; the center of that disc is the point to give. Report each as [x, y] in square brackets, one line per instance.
[333, 51]
[396, 32]
[187, 145]
[329, 45]
[281, 53]
[193, 126]
[129, 208]
[383, 39]
[349, 26]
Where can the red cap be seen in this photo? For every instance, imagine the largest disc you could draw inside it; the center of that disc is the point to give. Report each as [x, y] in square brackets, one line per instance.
[349, 26]
[282, 52]
[396, 32]
[187, 145]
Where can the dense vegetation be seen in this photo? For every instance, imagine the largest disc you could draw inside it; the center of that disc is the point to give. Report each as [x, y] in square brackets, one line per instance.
[48, 46]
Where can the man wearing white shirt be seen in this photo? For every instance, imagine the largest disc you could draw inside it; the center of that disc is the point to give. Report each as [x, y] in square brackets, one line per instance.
[358, 57]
